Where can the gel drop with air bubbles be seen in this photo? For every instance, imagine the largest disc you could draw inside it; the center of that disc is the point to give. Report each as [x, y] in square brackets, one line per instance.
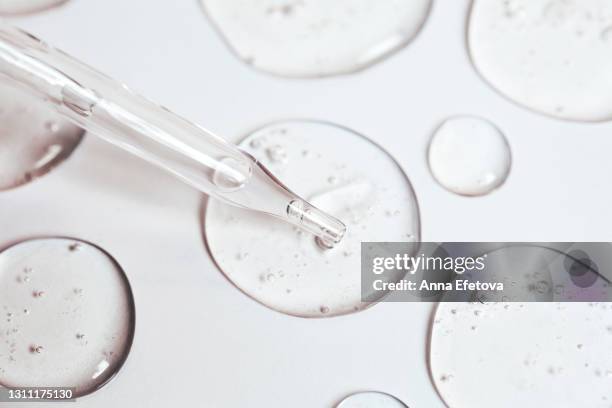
[67, 310]
[287, 269]
[547, 346]
[314, 38]
[551, 56]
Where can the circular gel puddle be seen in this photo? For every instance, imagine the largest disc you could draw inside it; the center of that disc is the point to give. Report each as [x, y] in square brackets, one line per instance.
[469, 156]
[10, 7]
[66, 315]
[34, 139]
[371, 399]
[551, 56]
[524, 354]
[338, 171]
[315, 38]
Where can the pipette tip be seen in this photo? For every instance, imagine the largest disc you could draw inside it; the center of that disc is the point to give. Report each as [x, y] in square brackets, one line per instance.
[328, 229]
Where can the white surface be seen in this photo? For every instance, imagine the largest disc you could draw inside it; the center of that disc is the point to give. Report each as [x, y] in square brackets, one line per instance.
[198, 339]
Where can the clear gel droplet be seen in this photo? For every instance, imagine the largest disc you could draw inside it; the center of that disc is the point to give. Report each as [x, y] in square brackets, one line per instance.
[550, 56]
[469, 156]
[50, 325]
[322, 282]
[10, 7]
[313, 38]
[529, 351]
[29, 147]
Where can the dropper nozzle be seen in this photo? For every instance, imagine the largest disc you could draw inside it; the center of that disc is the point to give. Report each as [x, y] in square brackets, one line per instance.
[327, 229]
[265, 193]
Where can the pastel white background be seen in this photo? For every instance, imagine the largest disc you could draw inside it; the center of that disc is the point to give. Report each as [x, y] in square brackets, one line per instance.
[199, 341]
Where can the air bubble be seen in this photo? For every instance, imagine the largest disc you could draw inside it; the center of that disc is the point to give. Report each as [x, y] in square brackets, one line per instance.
[315, 38]
[242, 256]
[105, 312]
[469, 156]
[75, 246]
[255, 143]
[38, 293]
[36, 349]
[29, 148]
[321, 276]
[277, 154]
[553, 57]
[542, 287]
[52, 126]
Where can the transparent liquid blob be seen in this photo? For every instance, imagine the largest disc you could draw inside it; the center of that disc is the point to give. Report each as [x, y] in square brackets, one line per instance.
[469, 156]
[505, 354]
[66, 315]
[10, 7]
[33, 138]
[552, 56]
[338, 171]
[314, 38]
[371, 399]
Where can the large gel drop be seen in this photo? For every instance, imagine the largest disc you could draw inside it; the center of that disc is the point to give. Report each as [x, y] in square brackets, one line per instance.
[469, 156]
[66, 315]
[311, 38]
[552, 56]
[33, 138]
[507, 354]
[9, 7]
[338, 171]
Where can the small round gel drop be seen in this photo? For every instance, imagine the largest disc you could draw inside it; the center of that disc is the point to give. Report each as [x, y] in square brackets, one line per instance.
[469, 156]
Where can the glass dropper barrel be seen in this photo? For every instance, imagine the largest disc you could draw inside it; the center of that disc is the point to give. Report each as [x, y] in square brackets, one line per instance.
[110, 110]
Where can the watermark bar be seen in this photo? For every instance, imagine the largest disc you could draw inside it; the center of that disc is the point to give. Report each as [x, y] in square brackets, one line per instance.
[486, 272]
[38, 394]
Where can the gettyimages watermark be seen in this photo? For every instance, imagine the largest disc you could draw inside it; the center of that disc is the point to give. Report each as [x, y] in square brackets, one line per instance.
[486, 272]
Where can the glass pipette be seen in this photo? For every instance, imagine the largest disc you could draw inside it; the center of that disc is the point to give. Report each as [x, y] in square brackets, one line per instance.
[110, 110]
